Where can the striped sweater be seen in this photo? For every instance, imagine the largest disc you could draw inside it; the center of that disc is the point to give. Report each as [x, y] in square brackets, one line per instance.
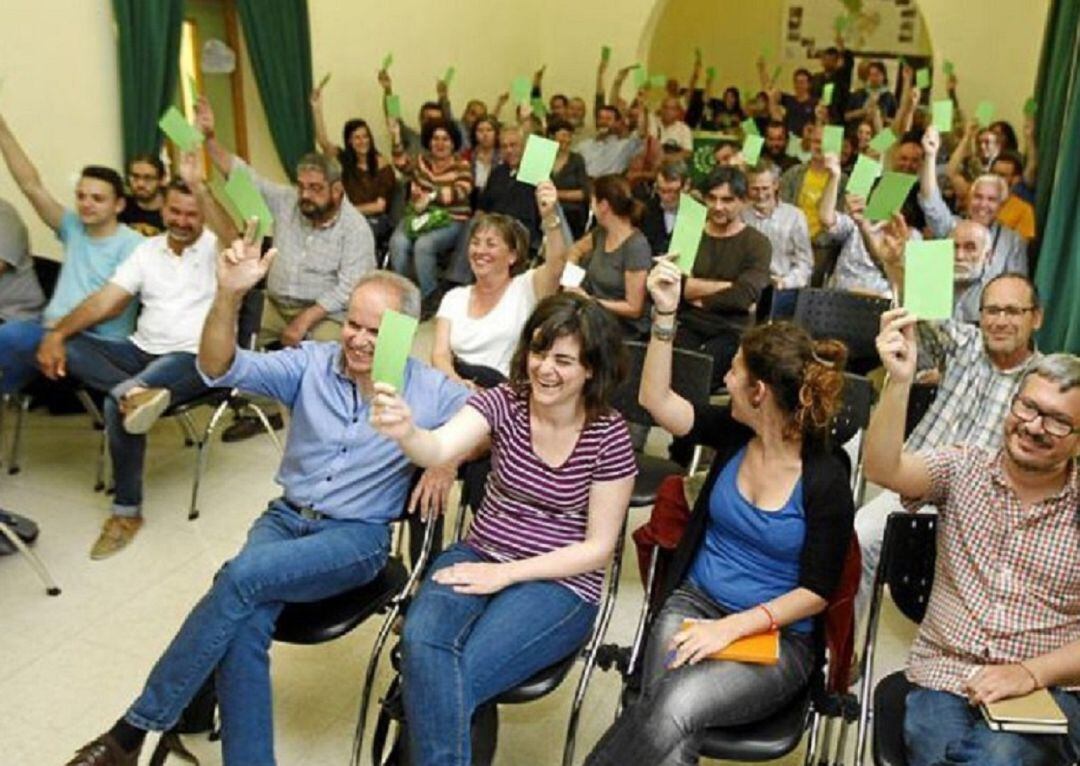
[453, 183]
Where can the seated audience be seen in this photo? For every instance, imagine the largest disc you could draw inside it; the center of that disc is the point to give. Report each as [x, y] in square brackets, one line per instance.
[658, 220]
[1016, 212]
[142, 206]
[21, 299]
[783, 224]
[875, 95]
[483, 151]
[673, 134]
[409, 140]
[704, 112]
[521, 592]
[797, 109]
[95, 243]
[776, 145]
[570, 177]
[762, 550]
[1004, 613]
[328, 532]
[973, 157]
[613, 146]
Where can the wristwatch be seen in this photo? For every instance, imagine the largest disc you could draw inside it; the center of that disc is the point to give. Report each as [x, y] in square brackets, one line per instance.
[553, 223]
[664, 334]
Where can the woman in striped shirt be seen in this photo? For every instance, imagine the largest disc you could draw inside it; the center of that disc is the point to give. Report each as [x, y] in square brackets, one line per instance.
[521, 592]
[440, 183]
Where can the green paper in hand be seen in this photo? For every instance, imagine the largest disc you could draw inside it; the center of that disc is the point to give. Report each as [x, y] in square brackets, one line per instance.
[605, 53]
[538, 160]
[840, 23]
[922, 78]
[641, 77]
[710, 72]
[323, 81]
[180, 131]
[388, 59]
[928, 278]
[538, 107]
[832, 139]
[248, 200]
[393, 106]
[449, 76]
[392, 348]
[948, 68]
[943, 115]
[794, 149]
[689, 226]
[889, 195]
[1031, 106]
[776, 74]
[984, 113]
[658, 81]
[863, 175]
[827, 93]
[883, 141]
[751, 148]
[749, 127]
[520, 89]
[217, 187]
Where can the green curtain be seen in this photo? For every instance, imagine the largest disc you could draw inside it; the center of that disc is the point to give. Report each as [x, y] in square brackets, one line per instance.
[148, 39]
[1057, 205]
[279, 46]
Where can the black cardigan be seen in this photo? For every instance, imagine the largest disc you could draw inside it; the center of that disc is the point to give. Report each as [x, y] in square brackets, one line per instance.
[828, 505]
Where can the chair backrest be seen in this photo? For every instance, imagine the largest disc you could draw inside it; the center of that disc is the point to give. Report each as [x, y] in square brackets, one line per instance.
[251, 310]
[854, 414]
[908, 555]
[848, 317]
[919, 401]
[48, 272]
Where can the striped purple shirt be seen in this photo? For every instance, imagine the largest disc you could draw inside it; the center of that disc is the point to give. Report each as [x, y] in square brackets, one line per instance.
[531, 508]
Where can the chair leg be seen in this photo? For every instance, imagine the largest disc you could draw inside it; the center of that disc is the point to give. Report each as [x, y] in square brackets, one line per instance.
[825, 741]
[202, 448]
[32, 559]
[5, 400]
[369, 680]
[22, 406]
[266, 425]
[191, 438]
[643, 617]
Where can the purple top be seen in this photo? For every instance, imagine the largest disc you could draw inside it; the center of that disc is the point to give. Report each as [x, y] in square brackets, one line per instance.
[531, 508]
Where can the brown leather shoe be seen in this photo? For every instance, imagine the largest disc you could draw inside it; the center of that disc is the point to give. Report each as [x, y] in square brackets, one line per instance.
[115, 535]
[104, 751]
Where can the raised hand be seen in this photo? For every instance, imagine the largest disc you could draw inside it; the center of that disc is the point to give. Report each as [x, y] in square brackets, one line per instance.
[896, 345]
[547, 196]
[390, 415]
[204, 117]
[241, 265]
[665, 283]
[832, 163]
[931, 141]
[191, 169]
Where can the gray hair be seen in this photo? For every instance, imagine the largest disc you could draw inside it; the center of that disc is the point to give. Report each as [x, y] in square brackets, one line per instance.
[674, 170]
[328, 166]
[764, 167]
[989, 179]
[1062, 369]
[407, 291]
[985, 242]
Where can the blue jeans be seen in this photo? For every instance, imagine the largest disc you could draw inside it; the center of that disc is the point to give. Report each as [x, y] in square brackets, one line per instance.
[423, 252]
[942, 729]
[116, 366]
[286, 558]
[459, 651]
[663, 726]
[19, 340]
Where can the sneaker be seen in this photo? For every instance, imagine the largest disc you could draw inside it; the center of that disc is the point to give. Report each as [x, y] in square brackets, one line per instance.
[104, 751]
[246, 426]
[115, 535]
[142, 409]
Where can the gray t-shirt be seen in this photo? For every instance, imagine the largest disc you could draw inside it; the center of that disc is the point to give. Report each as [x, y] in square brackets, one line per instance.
[20, 294]
[605, 272]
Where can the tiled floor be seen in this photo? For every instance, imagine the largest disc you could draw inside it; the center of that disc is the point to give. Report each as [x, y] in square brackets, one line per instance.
[70, 665]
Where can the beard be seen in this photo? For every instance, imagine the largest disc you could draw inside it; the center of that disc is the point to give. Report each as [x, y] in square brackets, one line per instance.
[314, 212]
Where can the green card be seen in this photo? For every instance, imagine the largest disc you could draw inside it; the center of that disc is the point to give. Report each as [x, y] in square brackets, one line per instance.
[449, 76]
[840, 23]
[689, 226]
[538, 107]
[883, 141]
[832, 139]
[180, 131]
[863, 175]
[751, 148]
[749, 127]
[393, 106]
[248, 200]
[323, 81]
[943, 115]
[776, 73]
[217, 187]
[658, 81]
[710, 72]
[928, 278]
[388, 59]
[889, 195]
[520, 89]
[922, 78]
[641, 77]
[392, 348]
[1031, 106]
[605, 53]
[984, 113]
[538, 160]
[827, 93]
[947, 67]
[794, 149]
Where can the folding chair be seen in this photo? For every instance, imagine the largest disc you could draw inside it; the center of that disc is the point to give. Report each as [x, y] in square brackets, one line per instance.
[19, 532]
[908, 556]
[851, 318]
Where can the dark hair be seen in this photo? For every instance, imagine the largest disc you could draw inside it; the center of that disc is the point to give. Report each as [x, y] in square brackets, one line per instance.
[486, 119]
[805, 375]
[912, 137]
[178, 185]
[611, 108]
[555, 125]
[1036, 301]
[776, 124]
[432, 105]
[511, 230]
[880, 66]
[602, 353]
[1007, 133]
[803, 71]
[615, 190]
[1012, 158]
[738, 101]
[347, 156]
[148, 159]
[733, 177]
[429, 128]
[108, 175]
[832, 50]
[559, 97]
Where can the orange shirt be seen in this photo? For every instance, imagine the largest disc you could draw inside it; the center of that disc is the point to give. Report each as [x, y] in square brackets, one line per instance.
[1018, 215]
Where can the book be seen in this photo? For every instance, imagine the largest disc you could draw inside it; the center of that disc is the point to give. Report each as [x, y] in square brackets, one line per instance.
[759, 649]
[1035, 713]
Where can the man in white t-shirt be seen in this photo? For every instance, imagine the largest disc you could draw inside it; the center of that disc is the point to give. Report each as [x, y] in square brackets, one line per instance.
[674, 134]
[173, 275]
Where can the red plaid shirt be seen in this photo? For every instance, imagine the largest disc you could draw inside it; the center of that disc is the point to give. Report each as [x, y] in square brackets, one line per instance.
[1007, 579]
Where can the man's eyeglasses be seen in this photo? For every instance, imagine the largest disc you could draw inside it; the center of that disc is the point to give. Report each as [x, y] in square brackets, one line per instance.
[1012, 312]
[1027, 411]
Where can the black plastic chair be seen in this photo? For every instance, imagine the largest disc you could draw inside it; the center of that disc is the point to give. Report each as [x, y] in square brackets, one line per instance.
[848, 317]
[851, 421]
[908, 556]
[919, 402]
[691, 373]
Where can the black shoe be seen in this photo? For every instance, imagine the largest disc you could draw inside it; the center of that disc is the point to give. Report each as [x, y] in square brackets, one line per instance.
[246, 426]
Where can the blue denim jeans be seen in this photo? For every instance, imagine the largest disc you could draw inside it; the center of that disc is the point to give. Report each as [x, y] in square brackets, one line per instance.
[459, 651]
[422, 253]
[942, 729]
[18, 346]
[114, 367]
[286, 558]
[663, 726]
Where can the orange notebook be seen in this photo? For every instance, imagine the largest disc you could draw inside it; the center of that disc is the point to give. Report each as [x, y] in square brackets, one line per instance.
[760, 649]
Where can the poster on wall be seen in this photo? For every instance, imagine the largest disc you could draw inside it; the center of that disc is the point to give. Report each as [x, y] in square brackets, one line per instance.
[885, 26]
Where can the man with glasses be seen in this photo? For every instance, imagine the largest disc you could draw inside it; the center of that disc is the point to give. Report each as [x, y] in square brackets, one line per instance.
[983, 367]
[1003, 619]
[146, 196]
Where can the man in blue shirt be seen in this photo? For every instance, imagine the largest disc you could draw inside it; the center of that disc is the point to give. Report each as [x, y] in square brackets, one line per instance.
[341, 483]
[95, 243]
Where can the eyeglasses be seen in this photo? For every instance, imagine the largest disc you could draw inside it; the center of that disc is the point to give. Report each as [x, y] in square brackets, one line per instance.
[1012, 312]
[1027, 411]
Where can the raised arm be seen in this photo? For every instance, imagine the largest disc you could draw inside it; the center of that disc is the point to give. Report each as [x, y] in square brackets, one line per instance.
[28, 179]
[827, 203]
[670, 411]
[204, 121]
[931, 143]
[392, 417]
[955, 168]
[1031, 152]
[217, 218]
[546, 276]
[322, 138]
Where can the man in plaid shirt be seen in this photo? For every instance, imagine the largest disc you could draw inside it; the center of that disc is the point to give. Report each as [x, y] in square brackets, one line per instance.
[1004, 613]
[983, 366]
